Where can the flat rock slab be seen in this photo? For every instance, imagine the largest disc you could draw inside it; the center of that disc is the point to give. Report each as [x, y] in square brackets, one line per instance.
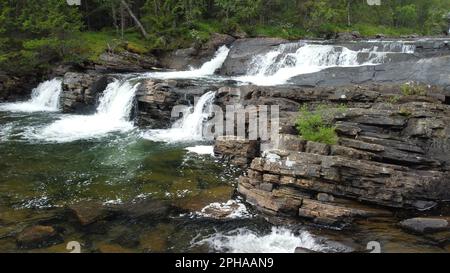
[425, 225]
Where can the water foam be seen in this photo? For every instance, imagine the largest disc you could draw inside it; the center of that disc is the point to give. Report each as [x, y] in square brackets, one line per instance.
[243, 240]
[279, 65]
[207, 69]
[112, 115]
[44, 98]
[190, 127]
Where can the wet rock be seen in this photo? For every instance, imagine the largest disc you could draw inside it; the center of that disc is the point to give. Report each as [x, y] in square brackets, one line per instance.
[89, 212]
[243, 51]
[235, 150]
[301, 250]
[195, 56]
[81, 91]
[157, 98]
[14, 87]
[38, 237]
[426, 71]
[425, 225]
[156, 239]
[112, 249]
[145, 209]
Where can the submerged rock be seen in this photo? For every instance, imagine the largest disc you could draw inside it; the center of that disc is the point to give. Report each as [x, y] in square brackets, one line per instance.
[425, 225]
[38, 237]
[89, 212]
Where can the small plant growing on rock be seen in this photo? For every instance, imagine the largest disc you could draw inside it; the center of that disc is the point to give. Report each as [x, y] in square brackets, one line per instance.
[313, 127]
[413, 89]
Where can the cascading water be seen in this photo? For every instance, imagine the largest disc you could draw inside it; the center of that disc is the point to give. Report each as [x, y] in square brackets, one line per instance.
[112, 115]
[190, 127]
[279, 65]
[243, 240]
[44, 98]
[207, 69]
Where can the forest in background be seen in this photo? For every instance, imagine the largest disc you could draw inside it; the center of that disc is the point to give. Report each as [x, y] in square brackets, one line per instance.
[37, 34]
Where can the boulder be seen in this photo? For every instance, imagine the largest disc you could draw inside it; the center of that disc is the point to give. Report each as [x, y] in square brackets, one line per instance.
[38, 237]
[89, 212]
[425, 225]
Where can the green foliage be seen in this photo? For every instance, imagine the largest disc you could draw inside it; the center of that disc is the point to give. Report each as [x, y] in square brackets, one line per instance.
[313, 127]
[36, 34]
[413, 89]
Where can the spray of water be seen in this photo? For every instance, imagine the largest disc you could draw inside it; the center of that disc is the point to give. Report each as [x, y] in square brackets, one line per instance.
[44, 98]
[112, 115]
[190, 127]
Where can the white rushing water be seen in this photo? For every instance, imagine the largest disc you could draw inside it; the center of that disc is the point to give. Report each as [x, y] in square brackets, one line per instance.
[190, 127]
[113, 114]
[279, 240]
[207, 69]
[279, 65]
[44, 98]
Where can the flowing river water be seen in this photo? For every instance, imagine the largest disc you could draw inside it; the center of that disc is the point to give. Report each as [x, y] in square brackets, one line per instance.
[50, 160]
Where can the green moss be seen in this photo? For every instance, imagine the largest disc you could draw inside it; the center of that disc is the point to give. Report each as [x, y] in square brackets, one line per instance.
[96, 43]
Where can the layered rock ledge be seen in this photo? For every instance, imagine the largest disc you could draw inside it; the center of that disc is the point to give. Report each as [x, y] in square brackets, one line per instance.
[393, 152]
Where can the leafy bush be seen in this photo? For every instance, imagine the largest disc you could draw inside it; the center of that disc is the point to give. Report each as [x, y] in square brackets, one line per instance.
[313, 127]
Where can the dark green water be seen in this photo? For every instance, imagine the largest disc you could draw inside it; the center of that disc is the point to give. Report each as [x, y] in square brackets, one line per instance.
[40, 179]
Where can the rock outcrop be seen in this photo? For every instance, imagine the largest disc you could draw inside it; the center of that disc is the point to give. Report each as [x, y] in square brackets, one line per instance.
[195, 56]
[432, 71]
[242, 52]
[392, 153]
[125, 61]
[81, 91]
[157, 98]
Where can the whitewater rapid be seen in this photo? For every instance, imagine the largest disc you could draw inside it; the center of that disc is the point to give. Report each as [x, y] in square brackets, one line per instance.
[207, 69]
[243, 240]
[44, 98]
[277, 66]
[113, 115]
[190, 127]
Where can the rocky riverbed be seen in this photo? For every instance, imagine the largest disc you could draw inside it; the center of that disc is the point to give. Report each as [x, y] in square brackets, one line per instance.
[385, 179]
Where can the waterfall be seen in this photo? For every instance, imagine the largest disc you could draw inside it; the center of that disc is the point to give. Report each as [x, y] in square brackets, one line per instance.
[207, 69]
[44, 98]
[279, 65]
[113, 114]
[190, 127]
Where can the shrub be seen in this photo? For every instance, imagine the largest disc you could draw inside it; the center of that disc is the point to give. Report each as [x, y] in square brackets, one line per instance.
[413, 89]
[313, 127]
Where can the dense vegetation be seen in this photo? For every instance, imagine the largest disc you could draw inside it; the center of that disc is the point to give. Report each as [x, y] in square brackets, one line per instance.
[35, 34]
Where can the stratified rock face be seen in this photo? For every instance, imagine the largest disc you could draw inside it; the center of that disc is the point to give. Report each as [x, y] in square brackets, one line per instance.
[156, 100]
[393, 151]
[125, 62]
[238, 151]
[82, 90]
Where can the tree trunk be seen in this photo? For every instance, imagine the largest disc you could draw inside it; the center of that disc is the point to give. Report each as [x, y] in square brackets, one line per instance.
[349, 19]
[135, 19]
